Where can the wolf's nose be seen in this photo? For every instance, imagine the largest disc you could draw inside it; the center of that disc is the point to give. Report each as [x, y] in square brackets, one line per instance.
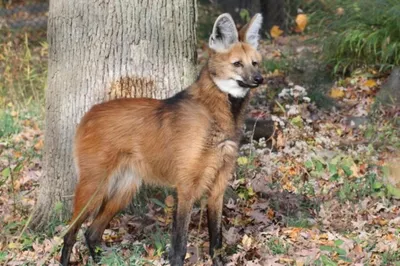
[258, 79]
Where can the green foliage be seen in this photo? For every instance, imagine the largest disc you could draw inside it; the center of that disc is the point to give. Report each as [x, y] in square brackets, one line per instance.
[3, 256]
[391, 258]
[148, 194]
[352, 186]
[23, 64]
[276, 64]
[336, 249]
[12, 117]
[301, 222]
[115, 258]
[56, 219]
[385, 189]
[325, 261]
[383, 133]
[245, 15]
[158, 240]
[362, 33]
[352, 190]
[12, 228]
[277, 246]
[8, 123]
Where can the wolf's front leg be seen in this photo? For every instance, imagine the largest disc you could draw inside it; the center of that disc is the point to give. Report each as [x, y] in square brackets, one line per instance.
[180, 230]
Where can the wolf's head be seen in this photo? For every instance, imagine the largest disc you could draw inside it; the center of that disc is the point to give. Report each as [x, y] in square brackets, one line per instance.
[234, 59]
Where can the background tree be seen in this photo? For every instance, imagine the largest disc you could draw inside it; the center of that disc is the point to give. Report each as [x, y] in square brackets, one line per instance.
[275, 12]
[101, 50]
[234, 7]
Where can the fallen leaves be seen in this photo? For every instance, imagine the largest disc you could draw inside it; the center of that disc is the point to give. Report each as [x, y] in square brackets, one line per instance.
[276, 32]
[337, 93]
[301, 22]
[169, 201]
[305, 200]
[231, 236]
[370, 83]
[247, 242]
[39, 145]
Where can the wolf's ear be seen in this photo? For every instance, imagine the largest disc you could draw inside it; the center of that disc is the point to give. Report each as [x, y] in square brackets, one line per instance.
[250, 32]
[224, 33]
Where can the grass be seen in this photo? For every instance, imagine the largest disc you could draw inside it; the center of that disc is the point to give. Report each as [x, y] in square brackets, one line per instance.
[391, 258]
[335, 251]
[146, 195]
[115, 258]
[277, 246]
[359, 188]
[3, 255]
[14, 117]
[135, 254]
[9, 123]
[23, 63]
[158, 240]
[276, 64]
[350, 185]
[358, 34]
[301, 222]
[383, 133]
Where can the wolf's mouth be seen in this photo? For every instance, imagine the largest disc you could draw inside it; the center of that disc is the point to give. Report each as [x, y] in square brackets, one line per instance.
[245, 85]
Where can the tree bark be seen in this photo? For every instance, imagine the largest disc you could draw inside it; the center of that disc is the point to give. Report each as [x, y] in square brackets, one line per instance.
[100, 50]
[234, 7]
[274, 13]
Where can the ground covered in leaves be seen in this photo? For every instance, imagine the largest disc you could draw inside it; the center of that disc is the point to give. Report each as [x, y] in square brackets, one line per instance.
[322, 189]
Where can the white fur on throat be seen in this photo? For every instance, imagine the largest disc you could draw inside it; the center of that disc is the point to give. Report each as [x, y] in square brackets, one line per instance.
[232, 87]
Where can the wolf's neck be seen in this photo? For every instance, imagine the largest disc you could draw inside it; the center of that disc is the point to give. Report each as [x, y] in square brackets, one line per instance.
[221, 105]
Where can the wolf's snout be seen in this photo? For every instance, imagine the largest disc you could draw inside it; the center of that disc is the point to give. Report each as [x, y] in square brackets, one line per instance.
[258, 79]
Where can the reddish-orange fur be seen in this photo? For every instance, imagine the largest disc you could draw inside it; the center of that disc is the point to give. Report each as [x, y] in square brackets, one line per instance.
[189, 142]
[168, 145]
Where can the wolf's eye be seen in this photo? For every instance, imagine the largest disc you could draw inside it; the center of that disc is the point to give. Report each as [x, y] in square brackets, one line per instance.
[237, 64]
[255, 63]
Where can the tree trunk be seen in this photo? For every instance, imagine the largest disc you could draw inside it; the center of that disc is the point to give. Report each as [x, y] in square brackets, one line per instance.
[234, 7]
[274, 13]
[101, 50]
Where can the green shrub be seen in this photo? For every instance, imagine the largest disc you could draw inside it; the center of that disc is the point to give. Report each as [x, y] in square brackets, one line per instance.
[362, 33]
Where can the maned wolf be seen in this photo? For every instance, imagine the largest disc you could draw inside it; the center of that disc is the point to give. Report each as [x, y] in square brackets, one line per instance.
[189, 142]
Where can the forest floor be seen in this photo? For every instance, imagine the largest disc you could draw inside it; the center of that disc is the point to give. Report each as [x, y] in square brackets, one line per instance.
[324, 189]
